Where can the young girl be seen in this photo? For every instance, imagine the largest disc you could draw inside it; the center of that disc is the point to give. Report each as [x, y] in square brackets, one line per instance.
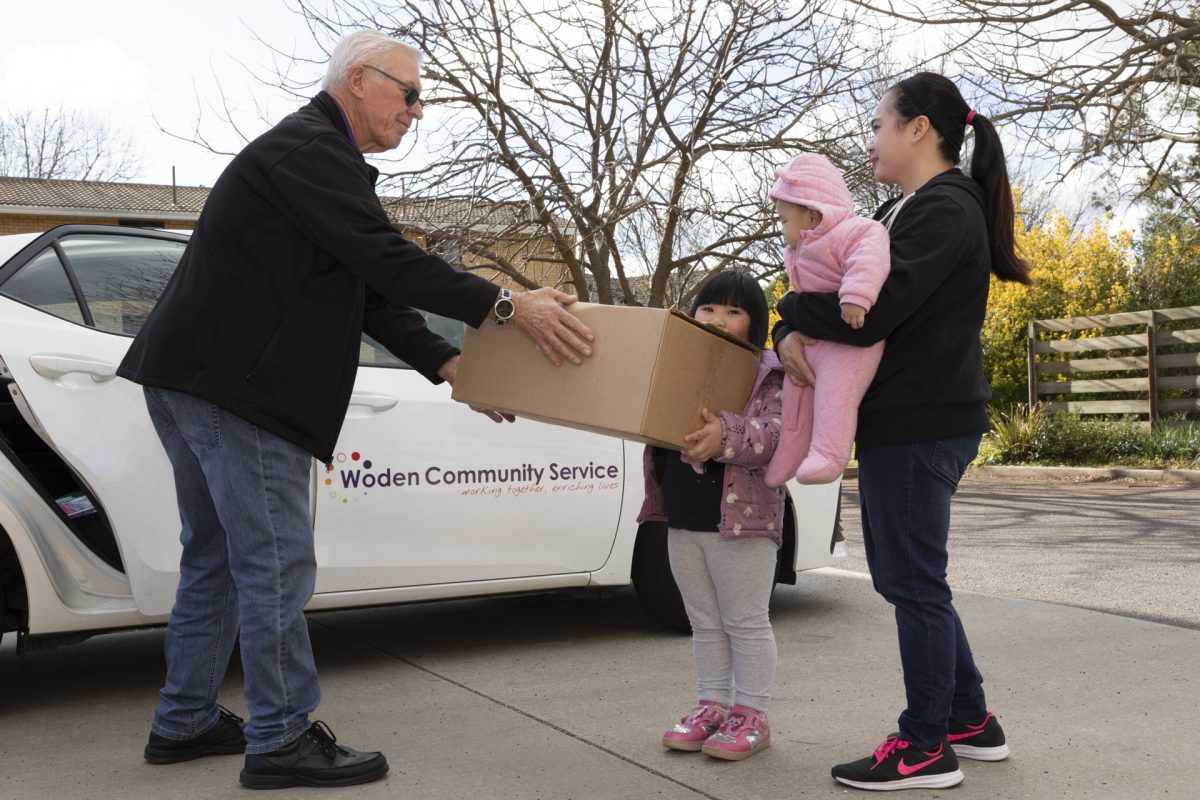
[724, 530]
[828, 249]
[921, 420]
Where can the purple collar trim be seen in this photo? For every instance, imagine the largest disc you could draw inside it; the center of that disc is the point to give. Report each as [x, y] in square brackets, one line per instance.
[346, 120]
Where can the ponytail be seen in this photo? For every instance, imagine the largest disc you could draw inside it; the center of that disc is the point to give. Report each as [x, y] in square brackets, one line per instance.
[989, 171]
[937, 98]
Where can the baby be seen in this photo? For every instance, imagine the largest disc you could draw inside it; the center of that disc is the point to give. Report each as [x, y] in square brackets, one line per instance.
[828, 249]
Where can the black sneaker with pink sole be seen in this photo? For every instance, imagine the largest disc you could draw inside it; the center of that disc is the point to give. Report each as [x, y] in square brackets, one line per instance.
[982, 742]
[897, 764]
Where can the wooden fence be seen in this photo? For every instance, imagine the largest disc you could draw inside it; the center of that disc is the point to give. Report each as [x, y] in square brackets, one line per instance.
[1140, 362]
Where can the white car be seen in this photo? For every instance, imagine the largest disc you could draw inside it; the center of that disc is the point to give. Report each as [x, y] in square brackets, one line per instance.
[425, 499]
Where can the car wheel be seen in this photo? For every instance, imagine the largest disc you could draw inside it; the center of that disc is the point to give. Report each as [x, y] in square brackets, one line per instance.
[653, 581]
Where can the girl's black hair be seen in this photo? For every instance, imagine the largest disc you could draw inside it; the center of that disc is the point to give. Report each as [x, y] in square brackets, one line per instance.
[730, 288]
[937, 98]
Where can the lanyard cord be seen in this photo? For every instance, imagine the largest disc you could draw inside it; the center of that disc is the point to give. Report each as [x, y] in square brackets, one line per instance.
[894, 211]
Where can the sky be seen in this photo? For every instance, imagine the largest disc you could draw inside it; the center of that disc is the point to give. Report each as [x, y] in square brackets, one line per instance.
[146, 64]
[132, 61]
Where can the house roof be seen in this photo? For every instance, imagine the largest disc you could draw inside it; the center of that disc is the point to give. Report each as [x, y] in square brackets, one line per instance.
[160, 201]
[88, 198]
[457, 213]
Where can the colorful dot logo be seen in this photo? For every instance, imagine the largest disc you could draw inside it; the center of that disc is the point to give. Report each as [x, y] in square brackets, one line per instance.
[351, 476]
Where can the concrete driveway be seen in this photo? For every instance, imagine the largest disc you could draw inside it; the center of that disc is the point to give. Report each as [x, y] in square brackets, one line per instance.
[550, 697]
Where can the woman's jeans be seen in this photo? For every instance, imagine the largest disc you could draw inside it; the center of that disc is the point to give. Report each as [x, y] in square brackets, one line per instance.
[905, 493]
[248, 562]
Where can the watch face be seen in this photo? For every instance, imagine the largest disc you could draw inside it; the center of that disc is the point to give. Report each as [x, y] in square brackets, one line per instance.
[504, 308]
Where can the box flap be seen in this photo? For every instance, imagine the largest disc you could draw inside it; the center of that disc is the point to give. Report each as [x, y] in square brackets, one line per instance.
[729, 337]
[697, 369]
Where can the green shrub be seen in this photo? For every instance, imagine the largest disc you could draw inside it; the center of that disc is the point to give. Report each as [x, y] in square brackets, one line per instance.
[1175, 443]
[1021, 436]
[1069, 439]
[1012, 438]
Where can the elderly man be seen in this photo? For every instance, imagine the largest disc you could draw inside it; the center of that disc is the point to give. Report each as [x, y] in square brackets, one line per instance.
[247, 365]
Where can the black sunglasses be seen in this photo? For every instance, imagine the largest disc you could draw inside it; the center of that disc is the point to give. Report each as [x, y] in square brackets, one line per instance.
[412, 95]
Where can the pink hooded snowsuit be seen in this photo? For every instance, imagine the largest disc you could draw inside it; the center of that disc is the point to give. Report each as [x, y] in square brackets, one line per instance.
[843, 253]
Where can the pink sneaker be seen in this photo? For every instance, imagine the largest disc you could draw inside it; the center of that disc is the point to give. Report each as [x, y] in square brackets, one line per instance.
[744, 732]
[698, 725]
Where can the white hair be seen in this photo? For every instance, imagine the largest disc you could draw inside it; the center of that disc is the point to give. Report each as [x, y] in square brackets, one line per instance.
[361, 47]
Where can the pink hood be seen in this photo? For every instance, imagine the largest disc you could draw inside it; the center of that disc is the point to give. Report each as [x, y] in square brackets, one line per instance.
[845, 253]
[812, 181]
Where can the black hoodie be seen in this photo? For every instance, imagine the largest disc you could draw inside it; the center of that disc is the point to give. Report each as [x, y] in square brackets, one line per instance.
[930, 383]
[291, 260]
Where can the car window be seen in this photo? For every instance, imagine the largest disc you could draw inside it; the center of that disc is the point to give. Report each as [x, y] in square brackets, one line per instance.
[373, 354]
[43, 283]
[121, 277]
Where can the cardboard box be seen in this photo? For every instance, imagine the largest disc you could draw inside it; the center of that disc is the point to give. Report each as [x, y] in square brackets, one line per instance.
[650, 373]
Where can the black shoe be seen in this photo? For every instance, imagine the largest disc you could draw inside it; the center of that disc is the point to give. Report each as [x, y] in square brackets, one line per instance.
[224, 738]
[982, 742]
[315, 759]
[896, 764]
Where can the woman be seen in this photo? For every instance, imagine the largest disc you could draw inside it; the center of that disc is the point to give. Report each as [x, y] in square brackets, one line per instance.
[922, 418]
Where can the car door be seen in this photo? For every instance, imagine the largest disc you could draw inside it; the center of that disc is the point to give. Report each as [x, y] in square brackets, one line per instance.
[70, 302]
[423, 490]
[489, 501]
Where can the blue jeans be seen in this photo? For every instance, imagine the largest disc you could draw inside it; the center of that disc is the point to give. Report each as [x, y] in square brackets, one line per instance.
[248, 562]
[905, 493]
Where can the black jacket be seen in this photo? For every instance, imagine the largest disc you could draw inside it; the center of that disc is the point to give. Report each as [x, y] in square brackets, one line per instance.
[291, 260]
[930, 383]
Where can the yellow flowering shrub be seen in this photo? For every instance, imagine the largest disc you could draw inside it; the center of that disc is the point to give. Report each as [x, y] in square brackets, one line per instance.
[1168, 270]
[774, 292]
[1075, 273]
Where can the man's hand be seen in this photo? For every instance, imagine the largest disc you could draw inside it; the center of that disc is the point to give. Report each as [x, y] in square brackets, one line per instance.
[853, 315]
[494, 416]
[790, 350]
[705, 441]
[556, 331]
[449, 371]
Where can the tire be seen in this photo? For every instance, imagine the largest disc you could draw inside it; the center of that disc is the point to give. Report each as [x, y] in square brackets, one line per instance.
[654, 583]
[14, 605]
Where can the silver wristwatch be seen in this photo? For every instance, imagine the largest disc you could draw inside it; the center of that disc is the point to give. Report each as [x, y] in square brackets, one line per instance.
[505, 307]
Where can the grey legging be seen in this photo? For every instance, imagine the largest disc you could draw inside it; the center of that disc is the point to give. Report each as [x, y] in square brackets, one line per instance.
[726, 587]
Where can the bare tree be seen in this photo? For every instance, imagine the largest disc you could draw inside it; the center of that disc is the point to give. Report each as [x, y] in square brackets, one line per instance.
[64, 144]
[640, 137]
[1090, 81]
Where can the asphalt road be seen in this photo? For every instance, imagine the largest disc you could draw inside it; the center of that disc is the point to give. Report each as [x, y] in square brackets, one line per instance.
[1122, 547]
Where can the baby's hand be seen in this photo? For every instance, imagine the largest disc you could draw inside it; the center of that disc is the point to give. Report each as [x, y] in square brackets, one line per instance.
[706, 441]
[853, 315]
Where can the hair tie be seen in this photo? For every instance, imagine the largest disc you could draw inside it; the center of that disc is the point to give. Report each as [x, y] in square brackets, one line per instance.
[971, 116]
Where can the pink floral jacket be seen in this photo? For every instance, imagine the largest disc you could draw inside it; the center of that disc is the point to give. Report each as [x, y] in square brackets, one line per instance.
[749, 507]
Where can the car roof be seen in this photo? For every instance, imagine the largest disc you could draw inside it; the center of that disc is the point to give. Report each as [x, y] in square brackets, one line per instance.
[13, 243]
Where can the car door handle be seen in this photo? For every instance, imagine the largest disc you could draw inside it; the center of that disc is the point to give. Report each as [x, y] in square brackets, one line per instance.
[55, 366]
[375, 402]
